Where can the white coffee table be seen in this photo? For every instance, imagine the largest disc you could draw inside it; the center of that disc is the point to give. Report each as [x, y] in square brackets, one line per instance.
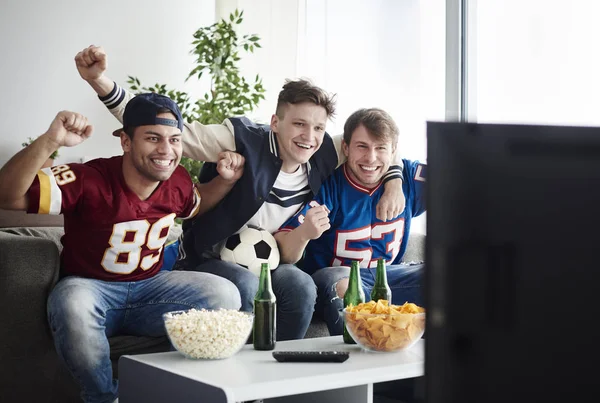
[250, 374]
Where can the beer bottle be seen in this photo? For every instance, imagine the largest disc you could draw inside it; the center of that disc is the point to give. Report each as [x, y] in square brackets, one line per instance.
[354, 295]
[265, 306]
[381, 289]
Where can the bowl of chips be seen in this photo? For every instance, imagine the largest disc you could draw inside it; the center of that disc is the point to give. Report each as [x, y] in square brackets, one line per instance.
[381, 326]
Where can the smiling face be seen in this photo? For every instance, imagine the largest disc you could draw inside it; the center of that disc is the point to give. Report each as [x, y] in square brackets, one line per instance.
[370, 137]
[299, 129]
[153, 151]
[369, 157]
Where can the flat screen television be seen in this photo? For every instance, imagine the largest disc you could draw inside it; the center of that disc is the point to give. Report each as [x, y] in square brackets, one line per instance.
[512, 281]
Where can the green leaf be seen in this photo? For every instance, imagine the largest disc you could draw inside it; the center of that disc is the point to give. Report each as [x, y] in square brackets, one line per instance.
[216, 51]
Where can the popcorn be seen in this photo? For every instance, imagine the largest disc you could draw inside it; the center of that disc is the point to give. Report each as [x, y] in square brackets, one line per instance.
[208, 334]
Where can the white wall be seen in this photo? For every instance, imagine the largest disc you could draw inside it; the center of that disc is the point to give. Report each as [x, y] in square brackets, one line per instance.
[277, 23]
[39, 39]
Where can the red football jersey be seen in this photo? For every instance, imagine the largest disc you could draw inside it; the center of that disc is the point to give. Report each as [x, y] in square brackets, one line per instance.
[110, 234]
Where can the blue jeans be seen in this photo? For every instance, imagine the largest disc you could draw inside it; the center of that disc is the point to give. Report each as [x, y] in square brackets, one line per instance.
[294, 289]
[83, 313]
[404, 281]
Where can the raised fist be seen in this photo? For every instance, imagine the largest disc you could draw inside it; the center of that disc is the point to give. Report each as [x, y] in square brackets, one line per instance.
[69, 129]
[315, 222]
[230, 165]
[91, 62]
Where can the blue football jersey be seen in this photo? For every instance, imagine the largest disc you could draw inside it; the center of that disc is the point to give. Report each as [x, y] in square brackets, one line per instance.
[356, 233]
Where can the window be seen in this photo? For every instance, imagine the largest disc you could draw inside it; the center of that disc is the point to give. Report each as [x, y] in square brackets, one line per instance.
[535, 61]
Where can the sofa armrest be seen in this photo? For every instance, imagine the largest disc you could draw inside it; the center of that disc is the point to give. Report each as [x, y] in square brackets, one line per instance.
[29, 267]
[13, 218]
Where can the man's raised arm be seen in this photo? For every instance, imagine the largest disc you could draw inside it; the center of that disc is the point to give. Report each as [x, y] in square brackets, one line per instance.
[67, 129]
[200, 142]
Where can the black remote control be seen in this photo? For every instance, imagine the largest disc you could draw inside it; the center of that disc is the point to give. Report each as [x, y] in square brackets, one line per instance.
[311, 356]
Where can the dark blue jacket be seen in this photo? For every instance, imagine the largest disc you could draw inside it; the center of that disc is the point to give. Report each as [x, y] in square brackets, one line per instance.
[259, 147]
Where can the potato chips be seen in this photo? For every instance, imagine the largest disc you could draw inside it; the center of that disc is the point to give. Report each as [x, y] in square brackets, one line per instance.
[382, 326]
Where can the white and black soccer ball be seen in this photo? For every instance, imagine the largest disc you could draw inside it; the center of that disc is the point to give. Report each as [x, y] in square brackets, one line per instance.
[251, 247]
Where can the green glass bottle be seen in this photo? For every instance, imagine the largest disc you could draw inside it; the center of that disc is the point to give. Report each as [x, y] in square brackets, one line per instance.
[381, 289]
[354, 295]
[265, 312]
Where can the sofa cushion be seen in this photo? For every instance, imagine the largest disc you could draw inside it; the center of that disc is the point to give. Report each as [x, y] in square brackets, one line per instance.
[415, 249]
[317, 328]
[52, 233]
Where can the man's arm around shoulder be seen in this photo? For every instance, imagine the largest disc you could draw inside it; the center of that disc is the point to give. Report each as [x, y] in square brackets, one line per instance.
[200, 142]
[230, 168]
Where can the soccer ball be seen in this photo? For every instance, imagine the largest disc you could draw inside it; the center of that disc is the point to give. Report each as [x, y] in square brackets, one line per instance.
[251, 247]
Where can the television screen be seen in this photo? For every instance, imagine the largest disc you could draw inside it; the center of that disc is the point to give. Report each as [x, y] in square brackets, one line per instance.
[512, 281]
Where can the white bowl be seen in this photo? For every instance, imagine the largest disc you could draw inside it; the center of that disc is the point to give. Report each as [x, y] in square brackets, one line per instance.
[208, 334]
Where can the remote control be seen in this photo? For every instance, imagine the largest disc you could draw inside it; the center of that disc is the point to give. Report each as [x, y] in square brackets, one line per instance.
[311, 356]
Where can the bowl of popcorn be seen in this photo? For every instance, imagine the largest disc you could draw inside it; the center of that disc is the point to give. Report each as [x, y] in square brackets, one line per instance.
[208, 334]
[381, 326]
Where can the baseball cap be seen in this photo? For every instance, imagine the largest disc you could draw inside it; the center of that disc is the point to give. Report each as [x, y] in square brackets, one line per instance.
[142, 109]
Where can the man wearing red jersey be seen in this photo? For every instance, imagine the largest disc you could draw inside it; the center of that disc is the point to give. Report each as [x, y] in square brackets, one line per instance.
[117, 212]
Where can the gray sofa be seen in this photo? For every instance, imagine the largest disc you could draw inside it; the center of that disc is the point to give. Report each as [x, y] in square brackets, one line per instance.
[30, 370]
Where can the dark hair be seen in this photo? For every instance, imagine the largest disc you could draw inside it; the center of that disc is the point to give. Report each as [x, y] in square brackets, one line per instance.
[131, 130]
[378, 123]
[299, 91]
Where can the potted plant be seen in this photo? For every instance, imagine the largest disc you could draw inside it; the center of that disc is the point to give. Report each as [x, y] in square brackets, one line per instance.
[217, 51]
[50, 161]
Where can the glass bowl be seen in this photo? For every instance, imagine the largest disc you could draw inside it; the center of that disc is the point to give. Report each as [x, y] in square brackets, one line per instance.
[208, 334]
[385, 332]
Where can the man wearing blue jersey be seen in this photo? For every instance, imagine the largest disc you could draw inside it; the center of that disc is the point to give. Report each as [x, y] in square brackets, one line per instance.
[340, 225]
